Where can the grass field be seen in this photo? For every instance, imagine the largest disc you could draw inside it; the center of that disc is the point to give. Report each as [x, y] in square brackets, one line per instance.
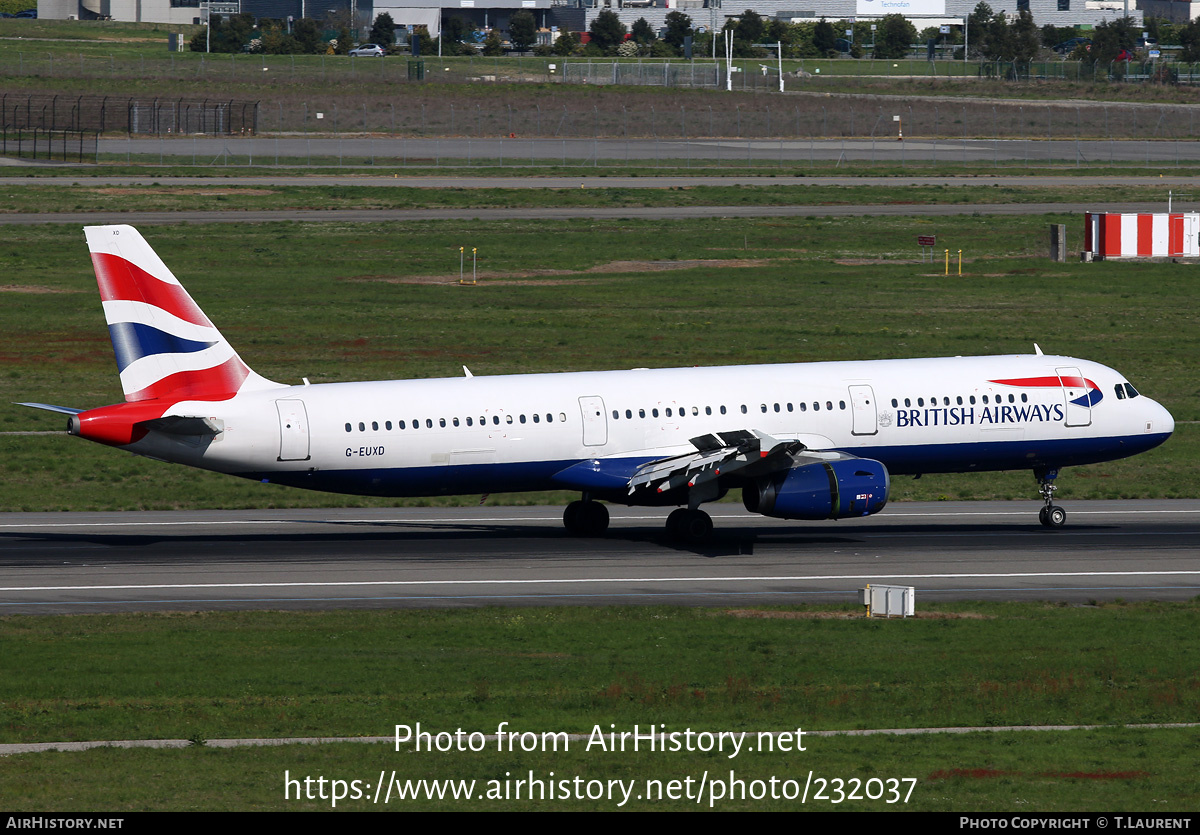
[376, 301]
[163, 195]
[207, 676]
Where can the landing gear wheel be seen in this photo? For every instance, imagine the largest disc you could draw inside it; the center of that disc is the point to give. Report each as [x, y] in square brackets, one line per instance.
[690, 526]
[675, 523]
[585, 519]
[1052, 516]
[1056, 517]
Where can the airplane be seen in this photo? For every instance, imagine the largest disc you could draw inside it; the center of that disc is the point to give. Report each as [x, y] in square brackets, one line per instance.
[805, 441]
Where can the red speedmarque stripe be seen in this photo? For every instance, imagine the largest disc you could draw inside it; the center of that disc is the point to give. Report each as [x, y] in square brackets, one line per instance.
[121, 280]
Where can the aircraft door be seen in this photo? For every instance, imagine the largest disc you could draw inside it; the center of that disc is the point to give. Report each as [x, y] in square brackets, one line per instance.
[862, 404]
[293, 430]
[1077, 397]
[595, 424]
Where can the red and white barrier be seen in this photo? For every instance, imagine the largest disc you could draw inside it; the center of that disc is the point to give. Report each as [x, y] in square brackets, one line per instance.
[1141, 235]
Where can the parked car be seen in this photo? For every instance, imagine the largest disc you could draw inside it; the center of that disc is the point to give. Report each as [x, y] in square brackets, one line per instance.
[368, 50]
[1068, 46]
[1124, 55]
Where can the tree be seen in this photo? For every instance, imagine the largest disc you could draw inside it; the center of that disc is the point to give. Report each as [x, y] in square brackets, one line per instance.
[383, 30]
[492, 45]
[977, 23]
[1189, 39]
[1110, 38]
[522, 30]
[750, 28]
[1025, 38]
[894, 36]
[566, 44]
[824, 37]
[642, 31]
[308, 36]
[607, 30]
[679, 26]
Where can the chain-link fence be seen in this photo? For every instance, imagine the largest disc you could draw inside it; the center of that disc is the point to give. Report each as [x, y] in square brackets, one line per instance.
[127, 115]
[35, 143]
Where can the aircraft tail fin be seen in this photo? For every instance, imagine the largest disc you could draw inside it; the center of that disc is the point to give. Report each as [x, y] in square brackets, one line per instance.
[164, 344]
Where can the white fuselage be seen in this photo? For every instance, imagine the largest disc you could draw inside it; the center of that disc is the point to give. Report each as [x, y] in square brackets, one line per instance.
[491, 434]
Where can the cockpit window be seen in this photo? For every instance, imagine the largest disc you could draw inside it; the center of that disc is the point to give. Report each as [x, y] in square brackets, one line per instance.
[1120, 389]
[1130, 390]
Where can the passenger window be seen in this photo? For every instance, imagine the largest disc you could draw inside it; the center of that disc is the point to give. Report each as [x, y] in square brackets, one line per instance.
[1011, 399]
[829, 405]
[907, 403]
[628, 413]
[764, 408]
[362, 427]
[616, 415]
[400, 424]
[1024, 397]
[744, 409]
[842, 405]
[428, 423]
[668, 411]
[894, 403]
[469, 422]
[496, 420]
[348, 427]
[537, 418]
[654, 412]
[804, 407]
[508, 419]
[641, 413]
[722, 410]
[816, 407]
[374, 426]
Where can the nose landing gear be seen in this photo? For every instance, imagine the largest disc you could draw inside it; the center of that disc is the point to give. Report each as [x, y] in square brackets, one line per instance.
[1051, 516]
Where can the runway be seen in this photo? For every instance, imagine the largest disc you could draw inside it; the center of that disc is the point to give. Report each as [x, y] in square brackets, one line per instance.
[434, 557]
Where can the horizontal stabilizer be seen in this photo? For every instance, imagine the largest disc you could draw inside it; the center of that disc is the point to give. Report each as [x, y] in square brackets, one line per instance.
[62, 410]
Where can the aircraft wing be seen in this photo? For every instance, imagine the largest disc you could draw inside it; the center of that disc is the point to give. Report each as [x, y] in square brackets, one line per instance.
[748, 453]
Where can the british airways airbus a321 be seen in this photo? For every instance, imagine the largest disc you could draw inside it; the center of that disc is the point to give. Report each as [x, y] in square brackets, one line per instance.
[800, 441]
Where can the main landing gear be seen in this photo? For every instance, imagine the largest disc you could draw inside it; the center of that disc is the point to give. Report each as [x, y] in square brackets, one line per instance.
[691, 526]
[586, 518]
[1051, 516]
[589, 518]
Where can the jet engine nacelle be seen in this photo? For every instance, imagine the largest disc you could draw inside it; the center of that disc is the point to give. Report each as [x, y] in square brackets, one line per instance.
[822, 490]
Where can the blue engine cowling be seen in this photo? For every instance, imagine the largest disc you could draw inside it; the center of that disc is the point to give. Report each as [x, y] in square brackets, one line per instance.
[824, 490]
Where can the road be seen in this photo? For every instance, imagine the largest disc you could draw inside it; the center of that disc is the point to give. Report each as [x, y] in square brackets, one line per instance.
[213, 150]
[89, 562]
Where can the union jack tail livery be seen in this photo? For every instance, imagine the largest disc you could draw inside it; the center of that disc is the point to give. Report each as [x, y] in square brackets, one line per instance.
[166, 347]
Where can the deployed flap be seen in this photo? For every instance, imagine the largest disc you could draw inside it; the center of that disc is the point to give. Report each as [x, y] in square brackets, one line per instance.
[746, 452]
